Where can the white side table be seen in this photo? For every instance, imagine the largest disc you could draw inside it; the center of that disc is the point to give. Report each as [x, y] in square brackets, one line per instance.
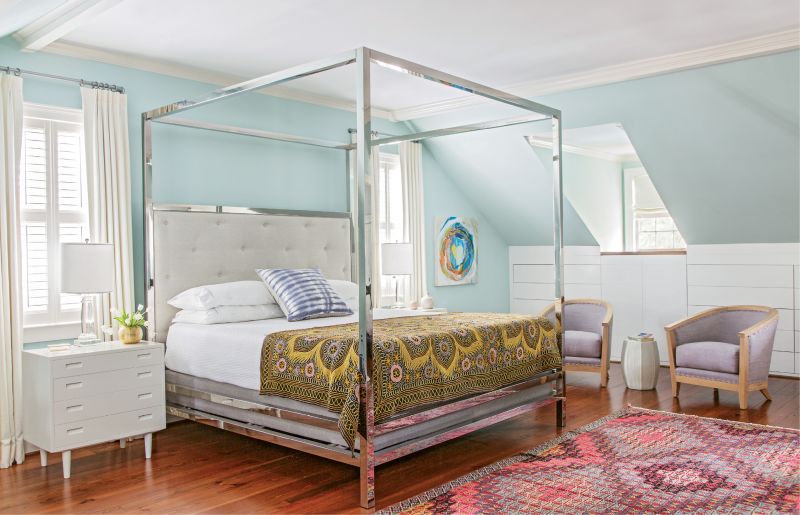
[92, 394]
[640, 364]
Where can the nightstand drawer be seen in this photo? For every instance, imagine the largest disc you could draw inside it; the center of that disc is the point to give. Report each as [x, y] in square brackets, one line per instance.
[105, 382]
[112, 427]
[91, 364]
[118, 402]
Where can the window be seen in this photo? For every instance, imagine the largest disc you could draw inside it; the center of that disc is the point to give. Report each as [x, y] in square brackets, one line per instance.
[53, 194]
[649, 224]
[391, 218]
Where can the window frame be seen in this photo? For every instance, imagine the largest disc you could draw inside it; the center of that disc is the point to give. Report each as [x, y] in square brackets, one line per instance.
[631, 230]
[55, 322]
[387, 283]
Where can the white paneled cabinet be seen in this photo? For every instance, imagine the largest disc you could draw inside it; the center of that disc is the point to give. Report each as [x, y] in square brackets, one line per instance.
[651, 291]
[647, 293]
[93, 394]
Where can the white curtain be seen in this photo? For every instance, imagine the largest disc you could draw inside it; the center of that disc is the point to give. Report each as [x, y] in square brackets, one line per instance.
[414, 210]
[13, 449]
[105, 124]
[373, 199]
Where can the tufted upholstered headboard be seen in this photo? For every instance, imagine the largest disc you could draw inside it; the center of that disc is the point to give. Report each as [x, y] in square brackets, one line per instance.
[196, 248]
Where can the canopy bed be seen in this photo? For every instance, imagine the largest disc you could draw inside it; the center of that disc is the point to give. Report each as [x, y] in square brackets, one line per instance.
[354, 414]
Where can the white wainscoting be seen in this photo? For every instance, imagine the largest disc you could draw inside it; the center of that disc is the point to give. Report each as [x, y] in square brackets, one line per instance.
[649, 292]
[532, 275]
[764, 274]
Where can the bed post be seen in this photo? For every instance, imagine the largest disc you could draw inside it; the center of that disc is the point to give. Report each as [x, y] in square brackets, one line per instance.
[560, 388]
[364, 257]
[149, 250]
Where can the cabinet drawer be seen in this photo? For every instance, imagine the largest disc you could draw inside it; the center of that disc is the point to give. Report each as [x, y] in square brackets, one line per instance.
[105, 382]
[118, 402]
[89, 364]
[112, 427]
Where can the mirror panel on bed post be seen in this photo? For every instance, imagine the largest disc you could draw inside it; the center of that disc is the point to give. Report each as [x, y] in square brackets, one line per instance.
[147, 189]
[558, 248]
[365, 275]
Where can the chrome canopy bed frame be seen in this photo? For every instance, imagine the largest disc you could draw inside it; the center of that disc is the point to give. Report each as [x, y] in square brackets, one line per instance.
[173, 242]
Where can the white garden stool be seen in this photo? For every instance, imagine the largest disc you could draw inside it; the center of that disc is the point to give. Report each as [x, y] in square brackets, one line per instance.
[640, 364]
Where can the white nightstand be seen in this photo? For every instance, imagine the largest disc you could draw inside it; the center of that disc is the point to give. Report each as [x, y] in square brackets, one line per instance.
[93, 394]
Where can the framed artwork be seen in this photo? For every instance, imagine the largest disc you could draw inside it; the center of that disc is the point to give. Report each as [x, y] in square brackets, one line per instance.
[456, 251]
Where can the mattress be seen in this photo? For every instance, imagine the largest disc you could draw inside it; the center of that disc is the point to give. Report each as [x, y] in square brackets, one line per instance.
[231, 353]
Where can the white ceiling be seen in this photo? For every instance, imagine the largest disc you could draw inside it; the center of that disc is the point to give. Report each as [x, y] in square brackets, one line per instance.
[501, 44]
[15, 14]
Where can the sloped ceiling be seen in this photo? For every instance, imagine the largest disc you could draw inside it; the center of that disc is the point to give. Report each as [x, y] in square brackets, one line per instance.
[721, 144]
[500, 172]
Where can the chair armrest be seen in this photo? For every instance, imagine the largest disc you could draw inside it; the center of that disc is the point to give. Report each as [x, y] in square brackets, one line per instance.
[755, 348]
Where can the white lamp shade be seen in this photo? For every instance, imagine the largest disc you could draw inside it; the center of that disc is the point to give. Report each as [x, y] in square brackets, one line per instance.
[396, 259]
[87, 267]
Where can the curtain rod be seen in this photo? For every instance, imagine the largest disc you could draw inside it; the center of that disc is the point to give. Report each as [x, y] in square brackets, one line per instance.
[82, 82]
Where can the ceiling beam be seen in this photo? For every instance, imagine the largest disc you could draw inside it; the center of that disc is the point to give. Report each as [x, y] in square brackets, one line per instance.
[59, 22]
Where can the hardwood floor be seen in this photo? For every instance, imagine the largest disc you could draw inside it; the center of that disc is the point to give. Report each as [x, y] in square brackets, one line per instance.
[202, 469]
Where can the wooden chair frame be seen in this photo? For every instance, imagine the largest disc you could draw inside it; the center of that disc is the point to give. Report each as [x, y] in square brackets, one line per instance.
[605, 339]
[742, 386]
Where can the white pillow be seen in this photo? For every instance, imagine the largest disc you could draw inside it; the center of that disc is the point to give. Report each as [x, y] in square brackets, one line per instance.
[347, 290]
[228, 314]
[239, 293]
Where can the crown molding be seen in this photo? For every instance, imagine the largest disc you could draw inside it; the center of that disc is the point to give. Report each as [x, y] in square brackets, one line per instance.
[60, 21]
[581, 151]
[751, 47]
[198, 74]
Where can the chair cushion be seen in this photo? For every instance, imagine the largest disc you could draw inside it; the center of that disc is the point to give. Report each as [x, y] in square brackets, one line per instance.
[582, 344]
[714, 356]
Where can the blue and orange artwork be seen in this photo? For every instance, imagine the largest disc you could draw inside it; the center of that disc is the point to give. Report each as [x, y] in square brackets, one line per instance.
[457, 247]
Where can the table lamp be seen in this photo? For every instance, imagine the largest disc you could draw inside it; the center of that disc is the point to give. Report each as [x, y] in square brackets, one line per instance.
[87, 269]
[396, 260]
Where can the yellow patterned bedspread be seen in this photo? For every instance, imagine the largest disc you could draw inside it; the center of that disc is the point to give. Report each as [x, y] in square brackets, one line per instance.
[418, 360]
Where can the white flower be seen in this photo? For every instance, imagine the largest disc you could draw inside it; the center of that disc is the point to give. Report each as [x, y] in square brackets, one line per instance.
[146, 323]
[138, 316]
[114, 312]
[128, 321]
[139, 307]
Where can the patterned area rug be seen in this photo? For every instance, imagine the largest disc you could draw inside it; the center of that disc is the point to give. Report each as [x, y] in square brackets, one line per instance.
[635, 460]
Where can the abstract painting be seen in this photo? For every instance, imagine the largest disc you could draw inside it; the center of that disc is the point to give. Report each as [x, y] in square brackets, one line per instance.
[457, 251]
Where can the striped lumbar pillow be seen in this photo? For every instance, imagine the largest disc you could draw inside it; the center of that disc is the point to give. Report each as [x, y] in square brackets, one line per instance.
[303, 293]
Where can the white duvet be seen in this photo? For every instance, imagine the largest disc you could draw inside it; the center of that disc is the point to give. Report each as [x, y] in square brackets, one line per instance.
[231, 353]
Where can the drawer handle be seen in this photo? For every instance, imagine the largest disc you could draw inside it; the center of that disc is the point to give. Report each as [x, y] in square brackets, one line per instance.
[142, 418]
[144, 355]
[73, 409]
[75, 431]
[145, 374]
[73, 386]
[74, 364]
[143, 396]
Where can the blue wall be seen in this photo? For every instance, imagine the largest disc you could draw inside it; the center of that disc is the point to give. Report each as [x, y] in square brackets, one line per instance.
[211, 168]
[443, 197]
[721, 144]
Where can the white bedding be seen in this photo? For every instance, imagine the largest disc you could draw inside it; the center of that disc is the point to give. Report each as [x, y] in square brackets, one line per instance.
[231, 353]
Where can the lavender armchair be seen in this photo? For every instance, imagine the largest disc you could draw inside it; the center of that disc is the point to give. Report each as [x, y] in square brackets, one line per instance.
[725, 348]
[587, 333]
